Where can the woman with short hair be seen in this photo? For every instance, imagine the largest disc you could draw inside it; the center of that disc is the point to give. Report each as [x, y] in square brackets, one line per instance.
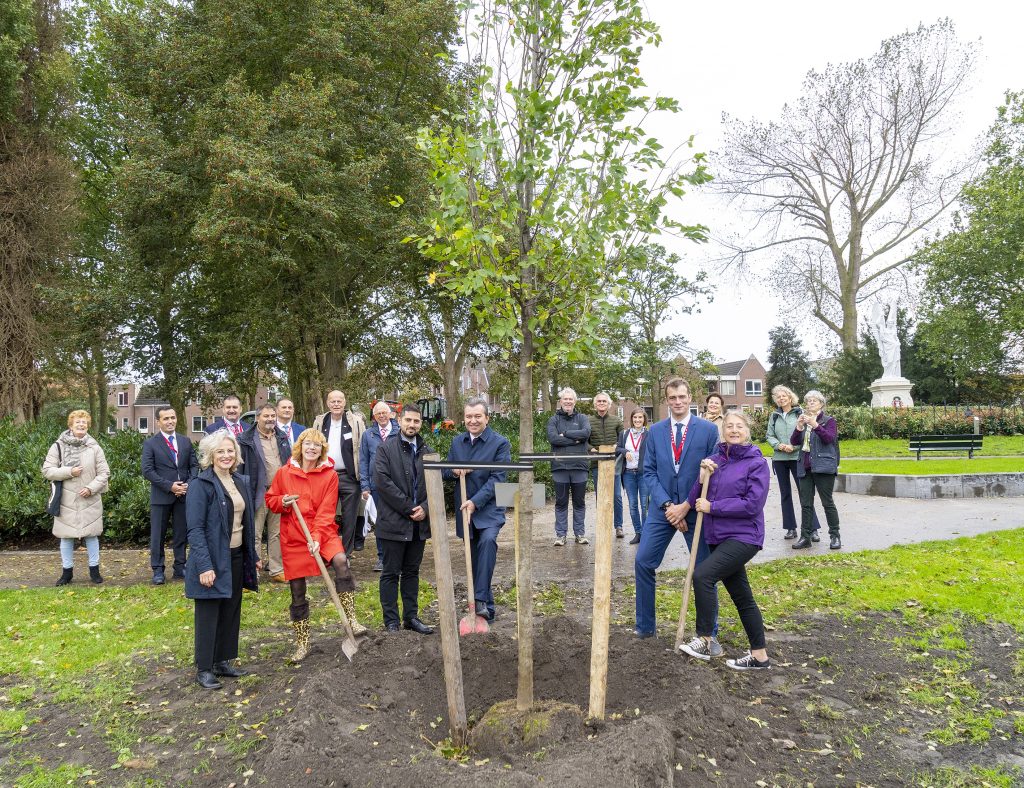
[309, 479]
[734, 532]
[714, 411]
[817, 436]
[77, 460]
[631, 447]
[222, 556]
[781, 424]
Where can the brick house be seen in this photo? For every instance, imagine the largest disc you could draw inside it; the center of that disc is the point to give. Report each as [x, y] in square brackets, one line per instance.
[741, 383]
[132, 411]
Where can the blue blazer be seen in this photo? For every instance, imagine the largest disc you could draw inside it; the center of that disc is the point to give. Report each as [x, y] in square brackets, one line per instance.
[296, 430]
[663, 483]
[489, 447]
[160, 469]
[368, 446]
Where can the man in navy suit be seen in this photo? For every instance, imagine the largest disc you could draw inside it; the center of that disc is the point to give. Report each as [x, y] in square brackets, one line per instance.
[231, 407]
[675, 448]
[285, 411]
[479, 443]
[168, 463]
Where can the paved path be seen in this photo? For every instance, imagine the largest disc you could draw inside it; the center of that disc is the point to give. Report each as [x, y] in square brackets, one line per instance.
[867, 523]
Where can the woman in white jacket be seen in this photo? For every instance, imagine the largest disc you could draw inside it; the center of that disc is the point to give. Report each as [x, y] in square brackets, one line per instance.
[77, 460]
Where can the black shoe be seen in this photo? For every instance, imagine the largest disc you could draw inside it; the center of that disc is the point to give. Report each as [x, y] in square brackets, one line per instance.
[207, 680]
[391, 627]
[178, 576]
[418, 626]
[643, 635]
[618, 533]
[65, 577]
[379, 566]
[790, 533]
[358, 546]
[229, 670]
[483, 612]
[815, 537]
[834, 543]
[94, 574]
[635, 539]
[159, 580]
[802, 543]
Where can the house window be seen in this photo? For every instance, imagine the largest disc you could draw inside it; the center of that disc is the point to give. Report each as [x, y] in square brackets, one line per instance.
[744, 408]
[143, 424]
[752, 388]
[619, 409]
[124, 424]
[122, 399]
[693, 410]
[198, 424]
[727, 388]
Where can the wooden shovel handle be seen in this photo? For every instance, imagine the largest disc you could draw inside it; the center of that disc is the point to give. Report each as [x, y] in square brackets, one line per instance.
[681, 630]
[466, 533]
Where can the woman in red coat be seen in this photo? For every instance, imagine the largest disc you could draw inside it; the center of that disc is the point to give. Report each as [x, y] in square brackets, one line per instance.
[310, 479]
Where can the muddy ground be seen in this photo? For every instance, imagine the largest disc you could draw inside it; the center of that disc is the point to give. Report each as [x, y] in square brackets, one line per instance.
[839, 707]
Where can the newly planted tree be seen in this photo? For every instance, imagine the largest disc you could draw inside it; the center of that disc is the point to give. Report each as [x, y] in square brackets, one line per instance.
[545, 183]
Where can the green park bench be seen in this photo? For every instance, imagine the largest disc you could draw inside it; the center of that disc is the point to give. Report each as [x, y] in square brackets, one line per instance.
[968, 443]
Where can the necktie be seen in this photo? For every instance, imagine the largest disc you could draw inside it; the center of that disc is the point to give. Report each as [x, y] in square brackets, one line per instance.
[679, 432]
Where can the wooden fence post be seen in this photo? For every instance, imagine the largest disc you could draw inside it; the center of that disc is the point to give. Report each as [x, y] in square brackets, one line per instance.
[602, 584]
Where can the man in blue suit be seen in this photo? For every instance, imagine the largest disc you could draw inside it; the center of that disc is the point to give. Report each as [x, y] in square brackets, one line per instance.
[675, 448]
[479, 443]
[285, 411]
[168, 463]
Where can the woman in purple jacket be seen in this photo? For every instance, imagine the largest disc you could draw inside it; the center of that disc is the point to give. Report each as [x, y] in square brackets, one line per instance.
[816, 439]
[734, 531]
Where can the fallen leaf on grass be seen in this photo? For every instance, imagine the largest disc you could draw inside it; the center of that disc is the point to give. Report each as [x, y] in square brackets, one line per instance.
[362, 727]
[757, 722]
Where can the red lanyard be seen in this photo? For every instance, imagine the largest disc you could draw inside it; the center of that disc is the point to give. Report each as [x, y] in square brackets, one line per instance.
[170, 446]
[636, 439]
[677, 451]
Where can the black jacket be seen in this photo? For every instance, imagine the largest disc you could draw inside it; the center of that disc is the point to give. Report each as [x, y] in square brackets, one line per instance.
[568, 435]
[161, 470]
[252, 461]
[400, 488]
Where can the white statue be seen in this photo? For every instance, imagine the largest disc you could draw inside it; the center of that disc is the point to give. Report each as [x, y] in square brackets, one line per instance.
[884, 332]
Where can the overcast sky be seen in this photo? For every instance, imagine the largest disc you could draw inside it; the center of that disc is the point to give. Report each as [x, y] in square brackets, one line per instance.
[748, 59]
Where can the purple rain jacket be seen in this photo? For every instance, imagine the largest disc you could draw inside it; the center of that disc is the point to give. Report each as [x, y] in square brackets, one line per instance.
[737, 491]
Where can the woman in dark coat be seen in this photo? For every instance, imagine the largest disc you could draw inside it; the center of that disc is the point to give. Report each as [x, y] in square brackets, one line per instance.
[221, 556]
[817, 438]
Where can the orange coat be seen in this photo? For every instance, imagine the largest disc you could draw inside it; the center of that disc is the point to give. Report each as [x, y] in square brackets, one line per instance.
[318, 500]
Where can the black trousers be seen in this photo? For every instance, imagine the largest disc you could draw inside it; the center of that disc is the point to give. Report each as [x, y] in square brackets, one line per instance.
[786, 474]
[349, 496]
[160, 515]
[824, 483]
[218, 621]
[727, 563]
[401, 571]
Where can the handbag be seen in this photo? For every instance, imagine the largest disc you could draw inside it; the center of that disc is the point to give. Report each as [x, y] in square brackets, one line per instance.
[56, 488]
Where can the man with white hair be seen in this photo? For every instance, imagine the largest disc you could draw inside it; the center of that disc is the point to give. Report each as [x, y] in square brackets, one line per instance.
[568, 432]
[384, 427]
[344, 431]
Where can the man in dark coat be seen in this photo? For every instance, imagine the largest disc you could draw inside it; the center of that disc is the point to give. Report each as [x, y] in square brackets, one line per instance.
[403, 524]
[265, 449]
[479, 443]
[568, 432]
[168, 464]
[230, 420]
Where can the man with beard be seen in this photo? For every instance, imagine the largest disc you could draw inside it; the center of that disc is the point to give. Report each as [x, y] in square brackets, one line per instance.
[264, 450]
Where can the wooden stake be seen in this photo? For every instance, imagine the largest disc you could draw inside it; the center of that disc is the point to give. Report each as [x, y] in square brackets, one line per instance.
[524, 596]
[446, 604]
[602, 584]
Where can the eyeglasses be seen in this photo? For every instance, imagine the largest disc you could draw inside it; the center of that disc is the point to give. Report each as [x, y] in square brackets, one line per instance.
[312, 445]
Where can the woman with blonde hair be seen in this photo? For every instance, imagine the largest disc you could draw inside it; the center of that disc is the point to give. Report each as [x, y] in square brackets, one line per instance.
[222, 556]
[309, 478]
[77, 461]
[734, 531]
[781, 424]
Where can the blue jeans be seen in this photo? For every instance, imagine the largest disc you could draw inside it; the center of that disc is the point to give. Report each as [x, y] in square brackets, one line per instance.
[654, 541]
[618, 496]
[636, 493]
[67, 551]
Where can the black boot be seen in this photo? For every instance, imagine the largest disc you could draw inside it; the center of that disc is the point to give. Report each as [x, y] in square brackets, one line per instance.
[94, 574]
[802, 543]
[65, 577]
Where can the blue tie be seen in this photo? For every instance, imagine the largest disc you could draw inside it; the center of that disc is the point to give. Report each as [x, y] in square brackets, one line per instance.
[679, 432]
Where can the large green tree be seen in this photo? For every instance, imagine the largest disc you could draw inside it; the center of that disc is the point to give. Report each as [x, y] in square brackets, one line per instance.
[788, 364]
[972, 317]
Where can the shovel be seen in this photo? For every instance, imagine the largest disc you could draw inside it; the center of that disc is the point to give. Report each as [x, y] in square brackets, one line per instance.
[470, 624]
[681, 631]
[348, 643]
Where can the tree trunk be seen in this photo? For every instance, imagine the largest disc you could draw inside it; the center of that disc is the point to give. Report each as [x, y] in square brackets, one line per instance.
[173, 388]
[102, 389]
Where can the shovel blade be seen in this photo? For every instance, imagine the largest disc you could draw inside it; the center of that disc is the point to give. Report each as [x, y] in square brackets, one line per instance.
[349, 647]
[473, 625]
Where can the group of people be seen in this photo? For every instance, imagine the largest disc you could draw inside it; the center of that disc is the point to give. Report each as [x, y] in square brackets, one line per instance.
[217, 501]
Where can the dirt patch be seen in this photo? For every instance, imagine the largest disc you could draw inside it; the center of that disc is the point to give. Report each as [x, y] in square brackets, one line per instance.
[841, 706]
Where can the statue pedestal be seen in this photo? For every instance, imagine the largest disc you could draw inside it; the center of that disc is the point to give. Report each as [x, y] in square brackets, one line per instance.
[884, 390]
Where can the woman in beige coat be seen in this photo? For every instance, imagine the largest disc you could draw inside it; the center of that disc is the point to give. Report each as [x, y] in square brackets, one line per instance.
[77, 459]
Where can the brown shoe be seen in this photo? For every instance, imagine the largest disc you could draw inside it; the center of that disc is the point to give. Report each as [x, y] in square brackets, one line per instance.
[278, 578]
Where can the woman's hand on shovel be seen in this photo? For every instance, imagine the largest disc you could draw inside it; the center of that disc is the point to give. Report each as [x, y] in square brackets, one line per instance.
[314, 547]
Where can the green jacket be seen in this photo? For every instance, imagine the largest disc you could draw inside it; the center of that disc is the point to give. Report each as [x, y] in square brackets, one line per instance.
[604, 430]
[780, 429]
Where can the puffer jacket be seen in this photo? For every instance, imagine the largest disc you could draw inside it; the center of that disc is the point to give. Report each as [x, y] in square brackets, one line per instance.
[568, 434]
[79, 517]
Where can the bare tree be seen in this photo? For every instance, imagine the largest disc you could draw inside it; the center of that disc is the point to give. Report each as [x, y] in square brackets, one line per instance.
[852, 171]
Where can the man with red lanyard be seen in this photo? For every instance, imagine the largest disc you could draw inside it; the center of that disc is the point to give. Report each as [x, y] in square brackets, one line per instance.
[675, 448]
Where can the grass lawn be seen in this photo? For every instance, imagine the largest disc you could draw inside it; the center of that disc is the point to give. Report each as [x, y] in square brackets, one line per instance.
[996, 445]
[935, 467]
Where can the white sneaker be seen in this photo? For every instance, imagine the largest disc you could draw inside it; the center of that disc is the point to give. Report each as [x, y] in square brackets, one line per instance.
[582, 540]
[560, 541]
